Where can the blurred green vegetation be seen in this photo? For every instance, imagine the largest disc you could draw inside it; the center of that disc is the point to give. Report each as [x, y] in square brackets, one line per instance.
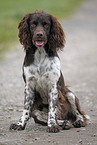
[11, 12]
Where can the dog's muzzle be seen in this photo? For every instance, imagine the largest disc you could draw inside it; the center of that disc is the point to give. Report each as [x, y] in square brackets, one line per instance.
[39, 37]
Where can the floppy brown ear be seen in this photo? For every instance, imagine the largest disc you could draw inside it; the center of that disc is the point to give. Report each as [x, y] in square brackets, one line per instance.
[57, 36]
[24, 32]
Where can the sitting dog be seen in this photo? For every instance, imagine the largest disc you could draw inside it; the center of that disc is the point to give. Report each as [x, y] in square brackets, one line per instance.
[45, 91]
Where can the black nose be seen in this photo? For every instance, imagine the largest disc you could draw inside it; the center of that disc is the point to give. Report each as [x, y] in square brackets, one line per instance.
[39, 34]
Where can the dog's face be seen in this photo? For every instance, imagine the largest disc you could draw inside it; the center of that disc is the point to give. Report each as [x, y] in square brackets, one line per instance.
[40, 29]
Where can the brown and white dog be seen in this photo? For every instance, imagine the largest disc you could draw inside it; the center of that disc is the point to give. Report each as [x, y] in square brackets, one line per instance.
[45, 91]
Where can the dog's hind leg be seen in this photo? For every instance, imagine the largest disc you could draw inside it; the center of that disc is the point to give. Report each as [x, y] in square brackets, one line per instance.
[86, 118]
[81, 117]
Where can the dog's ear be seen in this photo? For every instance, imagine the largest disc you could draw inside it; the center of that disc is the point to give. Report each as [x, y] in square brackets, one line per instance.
[24, 32]
[57, 36]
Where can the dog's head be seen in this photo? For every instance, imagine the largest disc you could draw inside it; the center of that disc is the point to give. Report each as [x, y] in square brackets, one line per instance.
[40, 29]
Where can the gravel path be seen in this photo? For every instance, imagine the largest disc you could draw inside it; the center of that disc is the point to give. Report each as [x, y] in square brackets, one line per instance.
[79, 66]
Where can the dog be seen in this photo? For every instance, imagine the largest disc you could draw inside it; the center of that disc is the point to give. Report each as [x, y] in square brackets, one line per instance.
[46, 95]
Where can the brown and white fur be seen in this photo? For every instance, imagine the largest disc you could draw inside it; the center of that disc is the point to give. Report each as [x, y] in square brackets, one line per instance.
[45, 91]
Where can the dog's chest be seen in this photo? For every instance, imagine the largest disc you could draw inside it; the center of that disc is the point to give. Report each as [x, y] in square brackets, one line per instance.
[44, 73]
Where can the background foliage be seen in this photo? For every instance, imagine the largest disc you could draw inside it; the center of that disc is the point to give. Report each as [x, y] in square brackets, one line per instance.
[11, 12]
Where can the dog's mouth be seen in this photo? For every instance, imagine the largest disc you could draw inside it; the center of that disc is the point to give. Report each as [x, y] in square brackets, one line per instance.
[39, 43]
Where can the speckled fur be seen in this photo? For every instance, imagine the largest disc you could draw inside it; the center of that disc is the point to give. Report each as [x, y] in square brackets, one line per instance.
[43, 76]
[45, 90]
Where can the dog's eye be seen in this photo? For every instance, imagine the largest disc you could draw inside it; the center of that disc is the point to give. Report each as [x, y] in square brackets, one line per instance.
[33, 25]
[45, 25]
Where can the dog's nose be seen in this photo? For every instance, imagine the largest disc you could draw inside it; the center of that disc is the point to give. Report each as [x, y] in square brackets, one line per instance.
[39, 34]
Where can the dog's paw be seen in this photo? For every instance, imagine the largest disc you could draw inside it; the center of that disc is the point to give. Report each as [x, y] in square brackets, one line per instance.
[78, 124]
[66, 125]
[53, 129]
[16, 127]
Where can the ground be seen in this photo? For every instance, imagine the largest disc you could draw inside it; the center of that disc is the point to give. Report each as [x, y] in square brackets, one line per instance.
[79, 67]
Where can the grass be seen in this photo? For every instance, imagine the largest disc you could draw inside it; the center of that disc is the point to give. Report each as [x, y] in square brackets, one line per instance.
[11, 12]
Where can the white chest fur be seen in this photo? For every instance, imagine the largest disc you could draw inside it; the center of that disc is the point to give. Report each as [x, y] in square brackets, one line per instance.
[44, 73]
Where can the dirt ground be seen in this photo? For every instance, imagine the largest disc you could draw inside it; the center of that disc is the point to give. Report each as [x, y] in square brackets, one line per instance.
[79, 66]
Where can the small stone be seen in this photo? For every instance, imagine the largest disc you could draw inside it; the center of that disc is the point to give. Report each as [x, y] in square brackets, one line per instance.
[10, 109]
[25, 139]
[2, 134]
[94, 135]
[49, 141]
[80, 141]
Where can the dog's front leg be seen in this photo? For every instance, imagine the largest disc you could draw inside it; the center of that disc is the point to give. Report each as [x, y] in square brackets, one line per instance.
[53, 96]
[29, 100]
